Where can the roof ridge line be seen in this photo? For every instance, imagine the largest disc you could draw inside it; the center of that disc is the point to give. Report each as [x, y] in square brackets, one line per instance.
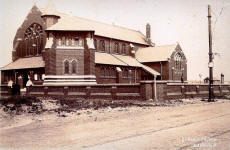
[99, 22]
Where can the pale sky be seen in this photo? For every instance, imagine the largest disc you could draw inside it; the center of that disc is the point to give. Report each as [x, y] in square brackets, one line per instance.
[183, 21]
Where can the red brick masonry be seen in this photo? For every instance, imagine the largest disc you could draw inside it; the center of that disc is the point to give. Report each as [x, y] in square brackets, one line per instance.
[143, 91]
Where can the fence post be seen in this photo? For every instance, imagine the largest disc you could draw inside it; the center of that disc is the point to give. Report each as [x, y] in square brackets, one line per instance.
[197, 89]
[66, 90]
[88, 91]
[183, 91]
[113, 92]
[46, 91]
[220, 89]
[146, 90]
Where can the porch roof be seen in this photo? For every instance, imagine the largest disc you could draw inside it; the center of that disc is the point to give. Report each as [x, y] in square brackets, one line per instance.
[121, 60]
[25, 63]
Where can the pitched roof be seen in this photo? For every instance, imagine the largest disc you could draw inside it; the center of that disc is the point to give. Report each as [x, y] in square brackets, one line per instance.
[24, 63]
[155, 54]
[135, 63]
[105, 58]
[70, 23]
[121, 60]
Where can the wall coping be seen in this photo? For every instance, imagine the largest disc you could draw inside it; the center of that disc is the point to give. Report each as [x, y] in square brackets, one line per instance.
[187, 84]
[91, 85]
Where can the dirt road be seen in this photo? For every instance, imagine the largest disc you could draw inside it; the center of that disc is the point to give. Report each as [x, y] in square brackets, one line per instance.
[193, 126]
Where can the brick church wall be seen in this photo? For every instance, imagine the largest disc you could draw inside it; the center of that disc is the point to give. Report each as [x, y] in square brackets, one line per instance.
[176, 74]
[34, 16]
[70, 55]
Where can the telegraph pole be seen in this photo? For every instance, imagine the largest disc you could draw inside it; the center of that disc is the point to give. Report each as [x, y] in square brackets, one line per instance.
[210, 64]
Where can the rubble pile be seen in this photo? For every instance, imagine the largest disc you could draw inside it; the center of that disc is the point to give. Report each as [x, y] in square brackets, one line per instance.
[20, 104]
[38, 105]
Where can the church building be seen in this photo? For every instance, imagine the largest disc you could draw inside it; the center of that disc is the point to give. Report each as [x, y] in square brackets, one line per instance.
[52, 48]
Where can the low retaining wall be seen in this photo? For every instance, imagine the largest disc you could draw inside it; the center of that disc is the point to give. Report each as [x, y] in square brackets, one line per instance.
[100, 91]
[143, 91]
[191, 91]
[167, 91]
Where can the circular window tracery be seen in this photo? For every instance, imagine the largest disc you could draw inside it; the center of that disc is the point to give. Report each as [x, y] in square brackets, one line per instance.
[34, 39]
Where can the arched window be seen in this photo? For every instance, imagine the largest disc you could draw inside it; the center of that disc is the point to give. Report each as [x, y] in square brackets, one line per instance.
[106, 72]
[59, 42]
[116, 47]
[63, 40]
[125, 72]
[80, 43]
[66, 67]
[34, 39]
[123, 49]
[74, 65]
[178, 61]
[102, 45]
[68, 42]
[112, 72]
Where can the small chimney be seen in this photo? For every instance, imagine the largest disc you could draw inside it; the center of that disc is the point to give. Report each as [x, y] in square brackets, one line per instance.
[148, 28]
[148, 33]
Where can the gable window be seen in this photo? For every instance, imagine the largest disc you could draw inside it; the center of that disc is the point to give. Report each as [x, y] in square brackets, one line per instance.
[123, 49]
[66, 67]
[33, 39]
[178, 61]
[74, 65]
[102, 45]
[116, 47]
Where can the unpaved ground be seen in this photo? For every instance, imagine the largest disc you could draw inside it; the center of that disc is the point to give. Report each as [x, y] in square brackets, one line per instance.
[193, 126]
